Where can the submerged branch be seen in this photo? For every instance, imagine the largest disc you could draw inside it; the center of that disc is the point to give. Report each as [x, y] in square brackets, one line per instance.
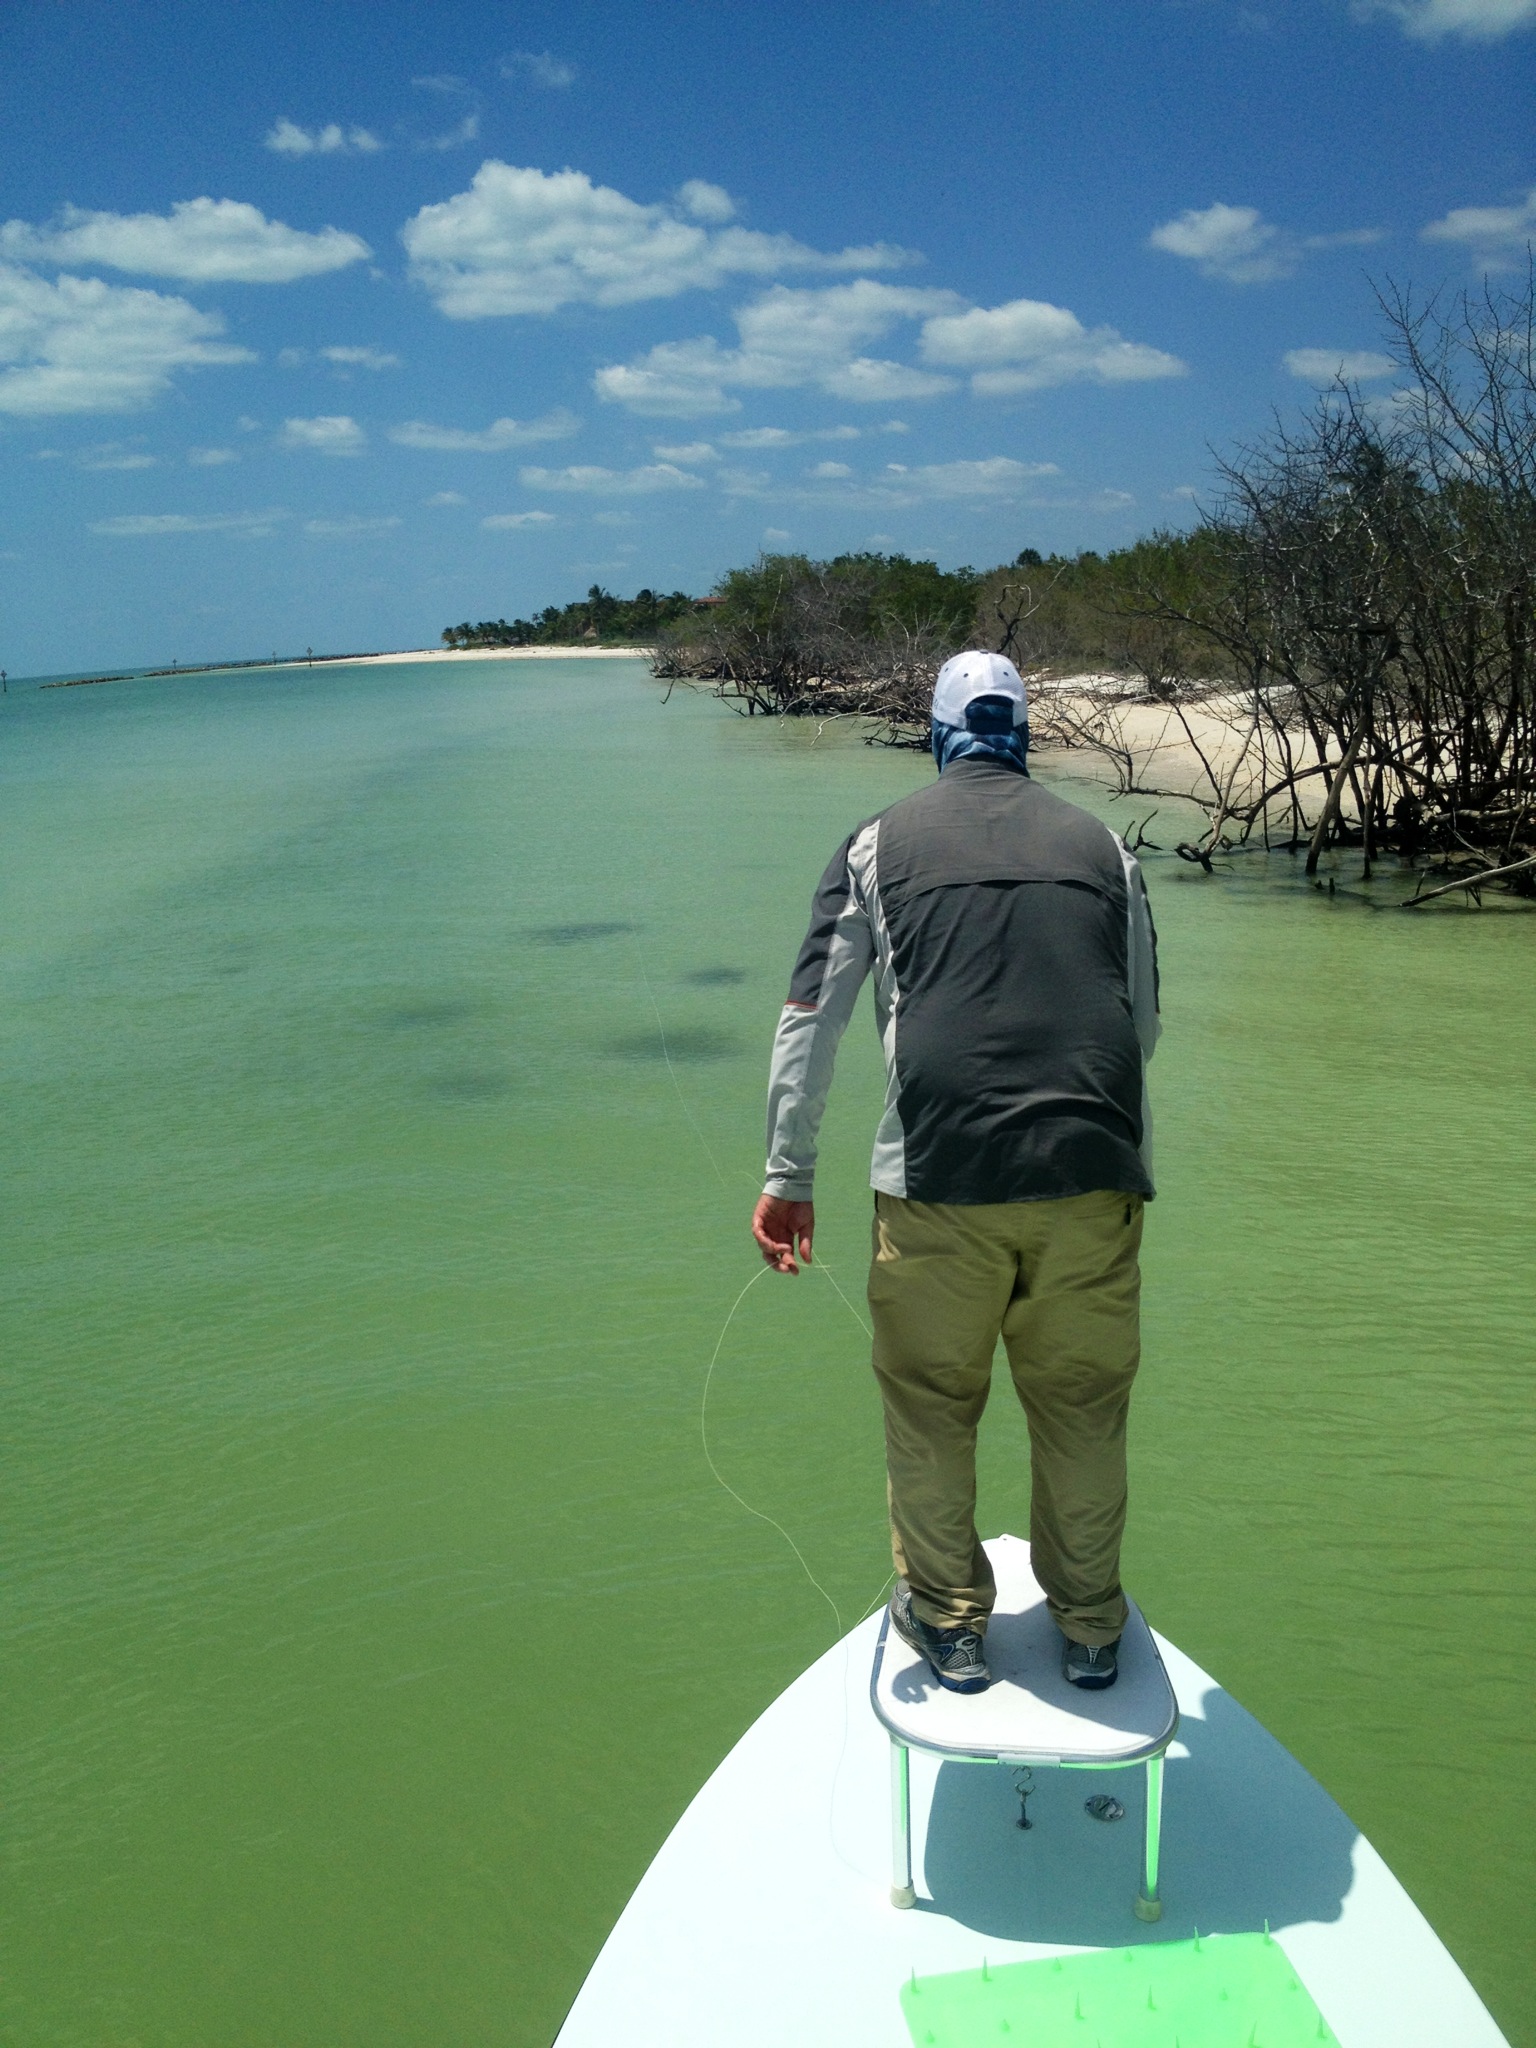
[1472, 881]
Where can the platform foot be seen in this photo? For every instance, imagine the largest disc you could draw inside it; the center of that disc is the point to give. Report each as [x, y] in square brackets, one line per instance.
[904, 1895]
[1148, 1909]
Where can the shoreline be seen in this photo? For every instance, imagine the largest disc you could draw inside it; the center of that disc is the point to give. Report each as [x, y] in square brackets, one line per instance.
[1081, 726]
[559, 652]
[1150, 734]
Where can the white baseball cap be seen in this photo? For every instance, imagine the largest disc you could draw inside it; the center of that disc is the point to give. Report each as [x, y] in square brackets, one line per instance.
[965, 677]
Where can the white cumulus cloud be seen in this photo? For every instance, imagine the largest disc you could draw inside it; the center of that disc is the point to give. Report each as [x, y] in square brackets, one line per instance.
[287, 138]
[510, 522]
[114, 456]
[362, 358]
[79, 345]
[545, 69]
[1028, 345]
[613, 483]
[149, 525]
[1431, 21]
[105, 455]
[527, 241]
[462, 133]
[330, 434]
[702, 201]
[1237, 243]
[688, 451]
[491, 440]
[782, 437]
[446, 498]
[1232, 242]
[355, 526]
[788, 338]
[201, 241]
[1496, 236]
[1323, 365]
[819, 337]
[994, 477]
[211, 458]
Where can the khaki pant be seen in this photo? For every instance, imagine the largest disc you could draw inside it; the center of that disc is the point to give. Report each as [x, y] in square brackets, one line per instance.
[1059, 1282]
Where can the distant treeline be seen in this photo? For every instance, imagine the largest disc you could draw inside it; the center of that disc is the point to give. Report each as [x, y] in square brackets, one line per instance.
[599, 616]
[864, 634]
[1354, 616]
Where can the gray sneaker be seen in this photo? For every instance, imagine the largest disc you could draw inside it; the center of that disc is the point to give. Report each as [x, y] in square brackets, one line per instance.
[1093, 1667]
[956, 1655]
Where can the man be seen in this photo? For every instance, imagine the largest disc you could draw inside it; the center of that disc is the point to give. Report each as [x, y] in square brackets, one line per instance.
[1016, 998]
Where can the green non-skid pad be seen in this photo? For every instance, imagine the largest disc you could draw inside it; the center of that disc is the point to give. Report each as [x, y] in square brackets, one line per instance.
[1223, 1991]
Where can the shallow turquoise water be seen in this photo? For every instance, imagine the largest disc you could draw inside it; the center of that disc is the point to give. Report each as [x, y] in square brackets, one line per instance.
[363, 1266]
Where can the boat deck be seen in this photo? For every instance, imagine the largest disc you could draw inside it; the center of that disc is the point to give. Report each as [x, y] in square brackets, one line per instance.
[765, 1920]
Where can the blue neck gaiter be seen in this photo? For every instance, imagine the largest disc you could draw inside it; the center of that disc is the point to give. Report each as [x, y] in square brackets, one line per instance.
[989, 731]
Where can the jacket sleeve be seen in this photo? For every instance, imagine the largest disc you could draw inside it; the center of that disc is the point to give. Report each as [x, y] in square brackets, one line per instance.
[1146, 1007]
[1144, 989]
[836, 956]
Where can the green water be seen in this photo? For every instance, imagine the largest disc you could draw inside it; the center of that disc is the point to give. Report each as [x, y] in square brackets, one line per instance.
[361, 1272]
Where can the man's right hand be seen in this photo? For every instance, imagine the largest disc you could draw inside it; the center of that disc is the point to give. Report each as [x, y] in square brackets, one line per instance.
[781, 1228]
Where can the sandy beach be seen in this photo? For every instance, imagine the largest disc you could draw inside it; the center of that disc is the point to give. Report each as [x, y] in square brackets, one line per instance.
[405, 654]
[1172, 751]
[414, 654]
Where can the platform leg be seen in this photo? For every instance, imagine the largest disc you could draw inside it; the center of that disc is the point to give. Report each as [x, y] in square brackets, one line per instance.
[1148, 1905]
[902, 1892]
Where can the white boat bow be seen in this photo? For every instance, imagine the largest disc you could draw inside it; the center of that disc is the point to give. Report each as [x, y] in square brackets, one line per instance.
[765, 1920]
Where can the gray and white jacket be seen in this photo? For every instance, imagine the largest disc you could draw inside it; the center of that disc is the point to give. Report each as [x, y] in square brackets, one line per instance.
[1015, 969]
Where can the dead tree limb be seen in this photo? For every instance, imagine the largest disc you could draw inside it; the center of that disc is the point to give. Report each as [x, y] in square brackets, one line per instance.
[1335, 796]
[1474, 881]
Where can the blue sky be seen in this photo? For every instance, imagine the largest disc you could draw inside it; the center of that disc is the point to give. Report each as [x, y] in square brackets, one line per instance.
[333, 324]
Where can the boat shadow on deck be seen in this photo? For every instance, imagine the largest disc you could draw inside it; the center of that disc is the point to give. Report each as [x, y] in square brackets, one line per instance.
[1248, 1837]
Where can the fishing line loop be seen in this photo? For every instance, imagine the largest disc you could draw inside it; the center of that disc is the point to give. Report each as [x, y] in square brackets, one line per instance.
[708, 1151]
[756, 1513]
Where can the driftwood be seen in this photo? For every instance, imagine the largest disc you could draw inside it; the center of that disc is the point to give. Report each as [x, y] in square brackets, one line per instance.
[1472, 881]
